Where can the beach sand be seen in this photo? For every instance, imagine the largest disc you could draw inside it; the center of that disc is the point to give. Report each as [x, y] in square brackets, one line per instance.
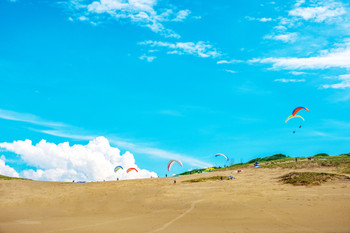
[253, 202]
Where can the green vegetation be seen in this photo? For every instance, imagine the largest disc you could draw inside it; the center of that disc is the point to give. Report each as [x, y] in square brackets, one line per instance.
[196, 171]
[308, 178]
[10, 178]
[321, 155]
[340, 163]
[212, 178]
[268, 158]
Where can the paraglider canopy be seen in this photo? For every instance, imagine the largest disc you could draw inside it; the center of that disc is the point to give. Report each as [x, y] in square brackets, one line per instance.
[297, 109]
[171, 162]
[219, 154]
[130, 169]
[210, 169]
[291, 116]
[118, 168]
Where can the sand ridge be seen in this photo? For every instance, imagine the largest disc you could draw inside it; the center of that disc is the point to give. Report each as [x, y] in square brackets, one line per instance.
[253, 202]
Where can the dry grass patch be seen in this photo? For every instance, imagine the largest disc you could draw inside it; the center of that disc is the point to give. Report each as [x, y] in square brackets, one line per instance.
[308, 178]
[212, 178]
[10, 178]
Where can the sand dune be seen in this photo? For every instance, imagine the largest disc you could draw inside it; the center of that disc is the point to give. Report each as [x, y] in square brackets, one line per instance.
[253, 202]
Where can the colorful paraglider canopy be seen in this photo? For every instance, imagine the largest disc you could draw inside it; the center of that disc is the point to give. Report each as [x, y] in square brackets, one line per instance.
[293, 116]
[297, 109]
[209, 169]
[118, 168]
[130, 169]
[171, 162]
[219, 154]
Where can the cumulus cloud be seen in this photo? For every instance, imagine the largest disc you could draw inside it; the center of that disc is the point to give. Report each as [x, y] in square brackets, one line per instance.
[147, 58]
[200, 49]
[344, 82]
[145, 13]
[62, 162]
[66, 131]
[7, 170]
[283, 80]
[338, 57]
[287, 37]
[319, 13]
[182, 15]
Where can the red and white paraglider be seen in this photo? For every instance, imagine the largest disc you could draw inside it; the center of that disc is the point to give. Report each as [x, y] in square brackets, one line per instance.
[171, 162]
[219, 154]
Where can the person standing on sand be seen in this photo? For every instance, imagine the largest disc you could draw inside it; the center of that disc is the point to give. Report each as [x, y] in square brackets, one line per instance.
[174, 181]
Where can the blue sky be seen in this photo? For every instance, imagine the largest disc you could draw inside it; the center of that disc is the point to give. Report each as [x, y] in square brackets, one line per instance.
[172, 80]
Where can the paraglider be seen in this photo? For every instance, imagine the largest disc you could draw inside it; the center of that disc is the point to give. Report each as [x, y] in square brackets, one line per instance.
[130, 169]
[297, 109]
[291, 116]
[294, 114]
[171, 162]
[219, 154]
[209, 169]
[117, 168]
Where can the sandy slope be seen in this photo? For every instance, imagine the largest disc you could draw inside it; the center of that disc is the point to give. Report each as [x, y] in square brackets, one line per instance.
[253, 202]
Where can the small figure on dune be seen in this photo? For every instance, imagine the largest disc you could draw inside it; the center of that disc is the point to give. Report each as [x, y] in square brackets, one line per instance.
[174, 181]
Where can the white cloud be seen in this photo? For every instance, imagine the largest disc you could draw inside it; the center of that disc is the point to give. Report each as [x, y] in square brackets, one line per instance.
[231, 71]
[62, 162]
[319, 13]
[297, 73]
[140, 12]
[66, 131]
[229, 62]
[338, 57]
[147, 58]
[28, 118]
[287, 37]
[344, 82]
[136, 148]
[283, 80]
[265, 19]
[299, 3]
[182, 15]
[200, 49]
[83, 18]
[280, 28]
[7, 170]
